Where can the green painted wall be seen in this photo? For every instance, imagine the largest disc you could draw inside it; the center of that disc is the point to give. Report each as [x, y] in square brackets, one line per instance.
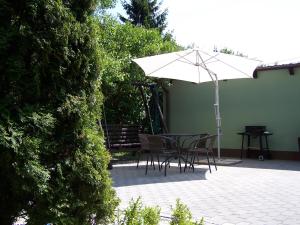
[271, 100]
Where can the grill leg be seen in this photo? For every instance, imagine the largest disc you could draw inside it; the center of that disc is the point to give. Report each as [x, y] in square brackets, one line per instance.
[261, 156]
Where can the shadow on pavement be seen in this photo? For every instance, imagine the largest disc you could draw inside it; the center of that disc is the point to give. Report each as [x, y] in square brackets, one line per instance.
[269, 164]
[128, 175]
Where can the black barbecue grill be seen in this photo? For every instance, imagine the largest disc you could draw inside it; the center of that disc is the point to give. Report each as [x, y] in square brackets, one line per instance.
[255, 129]
[260, 132]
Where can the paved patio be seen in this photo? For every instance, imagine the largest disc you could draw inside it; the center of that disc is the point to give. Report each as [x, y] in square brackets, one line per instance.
[251, 192]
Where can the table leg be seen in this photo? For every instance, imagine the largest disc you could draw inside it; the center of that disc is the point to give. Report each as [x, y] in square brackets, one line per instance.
[242, 148]
[261, 156]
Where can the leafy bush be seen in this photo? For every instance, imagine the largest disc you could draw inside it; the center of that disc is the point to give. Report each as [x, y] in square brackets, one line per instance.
[151, 215]
[120, 43]
[181, 215]
[136, 214]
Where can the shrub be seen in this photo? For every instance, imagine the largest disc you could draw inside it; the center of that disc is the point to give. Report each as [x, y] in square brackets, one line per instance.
[151, 215]
[136, 214]
[181, 215]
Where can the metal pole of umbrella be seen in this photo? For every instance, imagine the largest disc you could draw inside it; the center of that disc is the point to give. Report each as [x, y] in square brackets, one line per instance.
[218, 117]
[214, 78]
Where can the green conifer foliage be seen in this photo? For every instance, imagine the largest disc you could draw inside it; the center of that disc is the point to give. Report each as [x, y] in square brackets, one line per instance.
[53, 164]
[146, 13]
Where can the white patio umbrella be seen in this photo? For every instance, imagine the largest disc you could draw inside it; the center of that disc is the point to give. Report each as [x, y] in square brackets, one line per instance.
[197, 66]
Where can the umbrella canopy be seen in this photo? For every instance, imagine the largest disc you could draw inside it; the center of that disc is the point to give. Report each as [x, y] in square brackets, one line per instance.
[197, 66]
[193, 64]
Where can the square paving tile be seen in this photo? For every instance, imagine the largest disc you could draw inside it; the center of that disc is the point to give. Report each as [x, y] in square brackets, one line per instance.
[250, 192]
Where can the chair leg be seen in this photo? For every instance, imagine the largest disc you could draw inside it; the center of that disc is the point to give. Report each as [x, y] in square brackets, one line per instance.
[208, 161]
[198, 157]
[212, 154]
[152, 161]
[179, 162]
[138, 159]
[147, 165]
[190, 162]
[166, 162]
[166, 168]
[193, 158]
[159, 167]
[186, 160]
[193, 162]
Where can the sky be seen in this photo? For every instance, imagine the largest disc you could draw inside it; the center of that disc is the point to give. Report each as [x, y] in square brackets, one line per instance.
[263, 29]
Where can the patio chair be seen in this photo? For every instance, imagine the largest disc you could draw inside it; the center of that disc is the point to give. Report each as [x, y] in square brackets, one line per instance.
[162, 146]
[203, 145]
[149, 149]
[143, 138]
[187, 144]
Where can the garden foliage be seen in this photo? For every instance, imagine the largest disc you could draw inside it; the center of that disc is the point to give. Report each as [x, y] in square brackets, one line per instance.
[137, 214]
[53, 164]
[181, 215]
[120, 43]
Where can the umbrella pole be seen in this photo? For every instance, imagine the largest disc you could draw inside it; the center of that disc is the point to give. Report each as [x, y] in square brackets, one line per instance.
[218, 117]
[216, 105]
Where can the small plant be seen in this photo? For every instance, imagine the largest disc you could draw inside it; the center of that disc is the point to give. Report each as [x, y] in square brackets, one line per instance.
[135, 214]
[181, 215]
[151, 215]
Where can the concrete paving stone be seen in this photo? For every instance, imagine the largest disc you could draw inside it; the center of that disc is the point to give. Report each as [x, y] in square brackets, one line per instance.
[234, 219]
[250, 192]
[273, 221]
[217, 220]
[243, 223]
[244, 216]
[291, 222]
[258, 222]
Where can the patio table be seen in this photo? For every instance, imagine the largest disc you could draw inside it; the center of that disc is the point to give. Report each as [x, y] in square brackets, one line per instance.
[178, 136]
[180, 145]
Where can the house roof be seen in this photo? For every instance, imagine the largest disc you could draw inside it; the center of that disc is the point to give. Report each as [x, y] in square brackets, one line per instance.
[290, 67]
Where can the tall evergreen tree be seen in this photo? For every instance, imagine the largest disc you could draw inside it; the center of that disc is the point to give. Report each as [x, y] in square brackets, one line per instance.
[145, 13]
[53, 165]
